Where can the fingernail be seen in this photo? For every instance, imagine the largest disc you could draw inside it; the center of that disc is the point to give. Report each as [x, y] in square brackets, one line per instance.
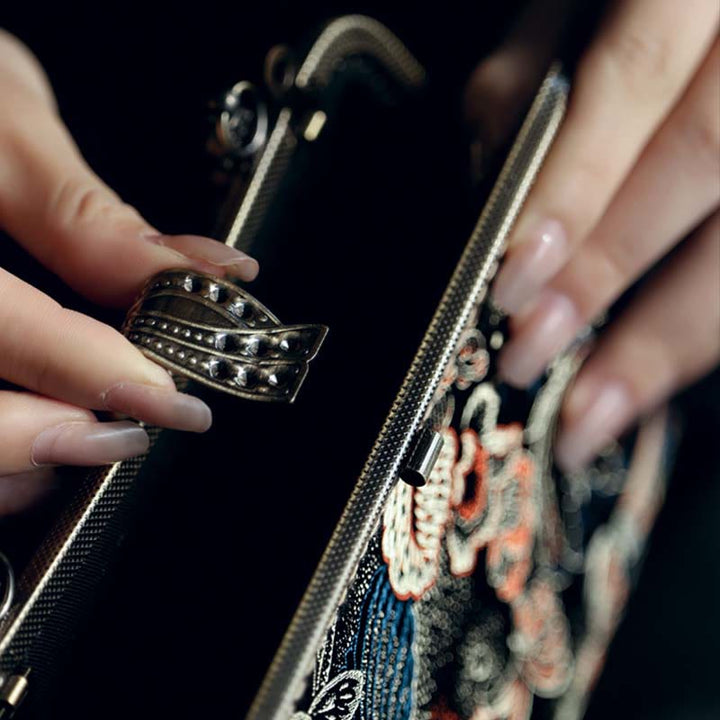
[209, 255]
[87, 443]
[548, 329]
[529, 265]
[158, 406]
[596, 415]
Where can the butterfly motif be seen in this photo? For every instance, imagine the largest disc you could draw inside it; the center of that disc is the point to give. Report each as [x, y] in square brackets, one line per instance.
[338, 700]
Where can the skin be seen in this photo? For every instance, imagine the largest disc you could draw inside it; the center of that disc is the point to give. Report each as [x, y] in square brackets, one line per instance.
[634, 172]
[69, 364]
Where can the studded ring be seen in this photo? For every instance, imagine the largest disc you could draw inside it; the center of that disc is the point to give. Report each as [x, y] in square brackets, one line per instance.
[214, 332]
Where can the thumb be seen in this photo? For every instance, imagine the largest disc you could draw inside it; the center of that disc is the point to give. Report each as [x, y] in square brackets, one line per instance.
[53, 204]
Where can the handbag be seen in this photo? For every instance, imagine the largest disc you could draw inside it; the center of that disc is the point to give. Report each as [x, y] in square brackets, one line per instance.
[466, 577]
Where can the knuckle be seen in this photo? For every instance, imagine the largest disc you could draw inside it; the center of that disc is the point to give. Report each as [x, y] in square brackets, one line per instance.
[12, 49]
[80, 201]
[638, 61]
[702, 135]
[16, 139]
[42, 372]
[589, 177]
[593, 170]
[86, 205]
[650, 366]
[619, 264]
[669, 371]
[33, 373]
[22, 71]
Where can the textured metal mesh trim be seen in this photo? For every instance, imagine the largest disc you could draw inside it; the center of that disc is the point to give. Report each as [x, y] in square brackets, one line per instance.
[267, 176]
[54, 581]
[341, 38]
[285, 680]
[355, 35]
[63, 574]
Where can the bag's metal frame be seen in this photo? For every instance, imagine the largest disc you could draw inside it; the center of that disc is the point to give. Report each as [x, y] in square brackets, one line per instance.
[73, 552]
[56, 584]
[285, 681]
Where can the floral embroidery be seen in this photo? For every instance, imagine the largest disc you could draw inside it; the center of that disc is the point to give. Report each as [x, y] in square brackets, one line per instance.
[483, 499]
[472, 359]
[338, 700]
[541, 639]
[496, 512]
[414, 522]
[513, 703]
[469, 365]
[463, 572]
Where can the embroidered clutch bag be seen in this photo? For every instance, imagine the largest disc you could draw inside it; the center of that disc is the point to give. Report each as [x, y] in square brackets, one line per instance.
[466, 578]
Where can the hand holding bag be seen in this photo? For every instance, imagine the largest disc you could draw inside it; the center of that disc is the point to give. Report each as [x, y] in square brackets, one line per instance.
[467, 577]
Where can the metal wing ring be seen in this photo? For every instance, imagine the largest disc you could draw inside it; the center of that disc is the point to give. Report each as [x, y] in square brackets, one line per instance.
[214, 332]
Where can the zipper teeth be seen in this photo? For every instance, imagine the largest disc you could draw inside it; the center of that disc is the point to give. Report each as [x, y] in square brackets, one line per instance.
[284, 683]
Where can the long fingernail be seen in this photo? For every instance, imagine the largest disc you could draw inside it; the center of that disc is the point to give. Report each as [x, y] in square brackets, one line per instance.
[596, 414]
[88, 443]
[548, 329]
[158, 406]
[529, 265]
[210, 255]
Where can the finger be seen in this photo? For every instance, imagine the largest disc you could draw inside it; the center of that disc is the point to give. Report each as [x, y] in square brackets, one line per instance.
[65, 355]
[20, 67]
[56, 207]
[645, 220]
[37, 431]
[669, 337]
[626, 84]
[24, 490]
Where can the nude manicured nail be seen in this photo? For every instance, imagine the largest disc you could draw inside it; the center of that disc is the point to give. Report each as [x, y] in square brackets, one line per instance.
[209, 254]
[88, 443]
[596, 417]
[158, 406]
[534, 260]
[546, 331]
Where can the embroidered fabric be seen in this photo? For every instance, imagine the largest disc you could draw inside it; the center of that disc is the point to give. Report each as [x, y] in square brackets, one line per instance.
[494, 590]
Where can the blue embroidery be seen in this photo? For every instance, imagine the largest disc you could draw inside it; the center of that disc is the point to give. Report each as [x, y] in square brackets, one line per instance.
[382, 651]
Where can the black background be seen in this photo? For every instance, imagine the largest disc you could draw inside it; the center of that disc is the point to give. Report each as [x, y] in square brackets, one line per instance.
[216, 563]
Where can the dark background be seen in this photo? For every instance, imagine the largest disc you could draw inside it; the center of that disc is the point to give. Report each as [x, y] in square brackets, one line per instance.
[374, 222]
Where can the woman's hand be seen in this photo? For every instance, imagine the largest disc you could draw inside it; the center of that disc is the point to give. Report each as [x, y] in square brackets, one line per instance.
[634, 172]
[69, 364]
